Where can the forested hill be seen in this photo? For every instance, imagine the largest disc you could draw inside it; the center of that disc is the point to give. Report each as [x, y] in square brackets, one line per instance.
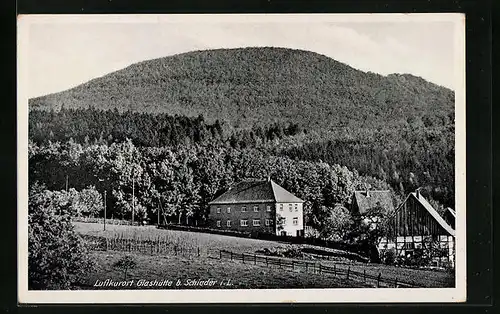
[259, 86]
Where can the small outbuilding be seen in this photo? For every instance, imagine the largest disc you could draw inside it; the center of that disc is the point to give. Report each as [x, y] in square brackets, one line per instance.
[365, 204]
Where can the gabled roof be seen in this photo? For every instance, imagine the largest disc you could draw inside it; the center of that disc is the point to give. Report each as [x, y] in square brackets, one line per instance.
[373, 199]
[433, 212]
[263, 191]
[452, 212]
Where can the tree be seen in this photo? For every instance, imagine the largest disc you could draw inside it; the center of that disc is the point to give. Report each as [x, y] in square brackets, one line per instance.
[337, 223]
[280, 223]
[88, 203]
[125, 263]
[57, 256]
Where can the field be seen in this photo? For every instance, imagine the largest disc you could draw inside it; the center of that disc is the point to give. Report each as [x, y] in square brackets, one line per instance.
[208, 243]
[240, 276]
[197, 257]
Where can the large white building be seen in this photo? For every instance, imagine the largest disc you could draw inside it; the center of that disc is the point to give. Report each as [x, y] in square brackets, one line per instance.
[258, 206]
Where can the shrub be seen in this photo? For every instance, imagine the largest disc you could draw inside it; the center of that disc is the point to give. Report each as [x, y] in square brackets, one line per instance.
[57, 255]
[125, 263]
[388, 257]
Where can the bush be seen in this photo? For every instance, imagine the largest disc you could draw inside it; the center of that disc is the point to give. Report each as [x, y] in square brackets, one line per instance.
[388, 257]
[56, 253]
[125, 263]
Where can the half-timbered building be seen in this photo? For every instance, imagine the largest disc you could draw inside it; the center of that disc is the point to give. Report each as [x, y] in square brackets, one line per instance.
[416, 227]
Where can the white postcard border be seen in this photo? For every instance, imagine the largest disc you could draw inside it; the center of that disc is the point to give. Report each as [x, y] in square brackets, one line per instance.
[457, 294]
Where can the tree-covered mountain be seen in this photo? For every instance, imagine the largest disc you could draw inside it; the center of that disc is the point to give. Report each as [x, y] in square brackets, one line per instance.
[259, 86]
[279, 103]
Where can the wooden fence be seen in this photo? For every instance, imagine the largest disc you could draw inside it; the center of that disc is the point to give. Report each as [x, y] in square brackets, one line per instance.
[153, 247]
[362, 251]
[108, 221]
[161, 247]
[340, 270]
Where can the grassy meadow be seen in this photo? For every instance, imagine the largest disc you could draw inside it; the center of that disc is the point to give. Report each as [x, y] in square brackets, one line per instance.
[189, 265]
[208, 243]
[184, 268]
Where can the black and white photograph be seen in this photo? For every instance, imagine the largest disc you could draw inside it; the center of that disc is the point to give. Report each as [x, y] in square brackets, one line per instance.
[183, 158]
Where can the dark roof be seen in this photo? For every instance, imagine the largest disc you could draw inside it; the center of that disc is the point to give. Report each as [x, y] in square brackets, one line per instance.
[372, 200]
[262, 191]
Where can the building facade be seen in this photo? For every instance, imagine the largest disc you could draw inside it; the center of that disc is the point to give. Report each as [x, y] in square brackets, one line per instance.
[416, 228]
[258, 206]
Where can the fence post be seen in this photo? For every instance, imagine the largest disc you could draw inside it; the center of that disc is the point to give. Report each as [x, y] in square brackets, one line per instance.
[255, 259]
[243, 258]
[320, 268]
[378, 280]
[364, 275]
[267, 262]
[198, 251]
[175, 250]
[334, 270]
[279, 261]
[348, 270]
[231, 255]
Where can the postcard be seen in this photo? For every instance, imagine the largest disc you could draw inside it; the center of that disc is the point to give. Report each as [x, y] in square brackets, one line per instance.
[240, 158]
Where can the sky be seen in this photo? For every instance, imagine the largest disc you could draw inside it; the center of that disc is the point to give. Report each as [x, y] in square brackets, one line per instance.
[60, 52]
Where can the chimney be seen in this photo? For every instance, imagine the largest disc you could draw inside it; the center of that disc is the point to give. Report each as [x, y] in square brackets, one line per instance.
[417, 192]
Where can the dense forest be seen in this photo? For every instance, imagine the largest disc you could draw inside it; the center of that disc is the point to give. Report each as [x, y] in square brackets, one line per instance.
[186, 127]
[406, 157]
[181, 181]
[100, 126]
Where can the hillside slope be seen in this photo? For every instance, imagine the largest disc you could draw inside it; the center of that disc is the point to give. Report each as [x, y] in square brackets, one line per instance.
[251, 86]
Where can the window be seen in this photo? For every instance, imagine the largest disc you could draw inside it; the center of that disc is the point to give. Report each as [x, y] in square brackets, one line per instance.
[228, 210]
[281, 207]
[218, 223]
[244, 209]
[256, 222]
[290, 207]
[218, 210]
[296, 207]
[408, 246]
[268, 222]
[295, 221]
[268, 208]
[283, 221]
[256, 208]
[243, 222]
[228, 223]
